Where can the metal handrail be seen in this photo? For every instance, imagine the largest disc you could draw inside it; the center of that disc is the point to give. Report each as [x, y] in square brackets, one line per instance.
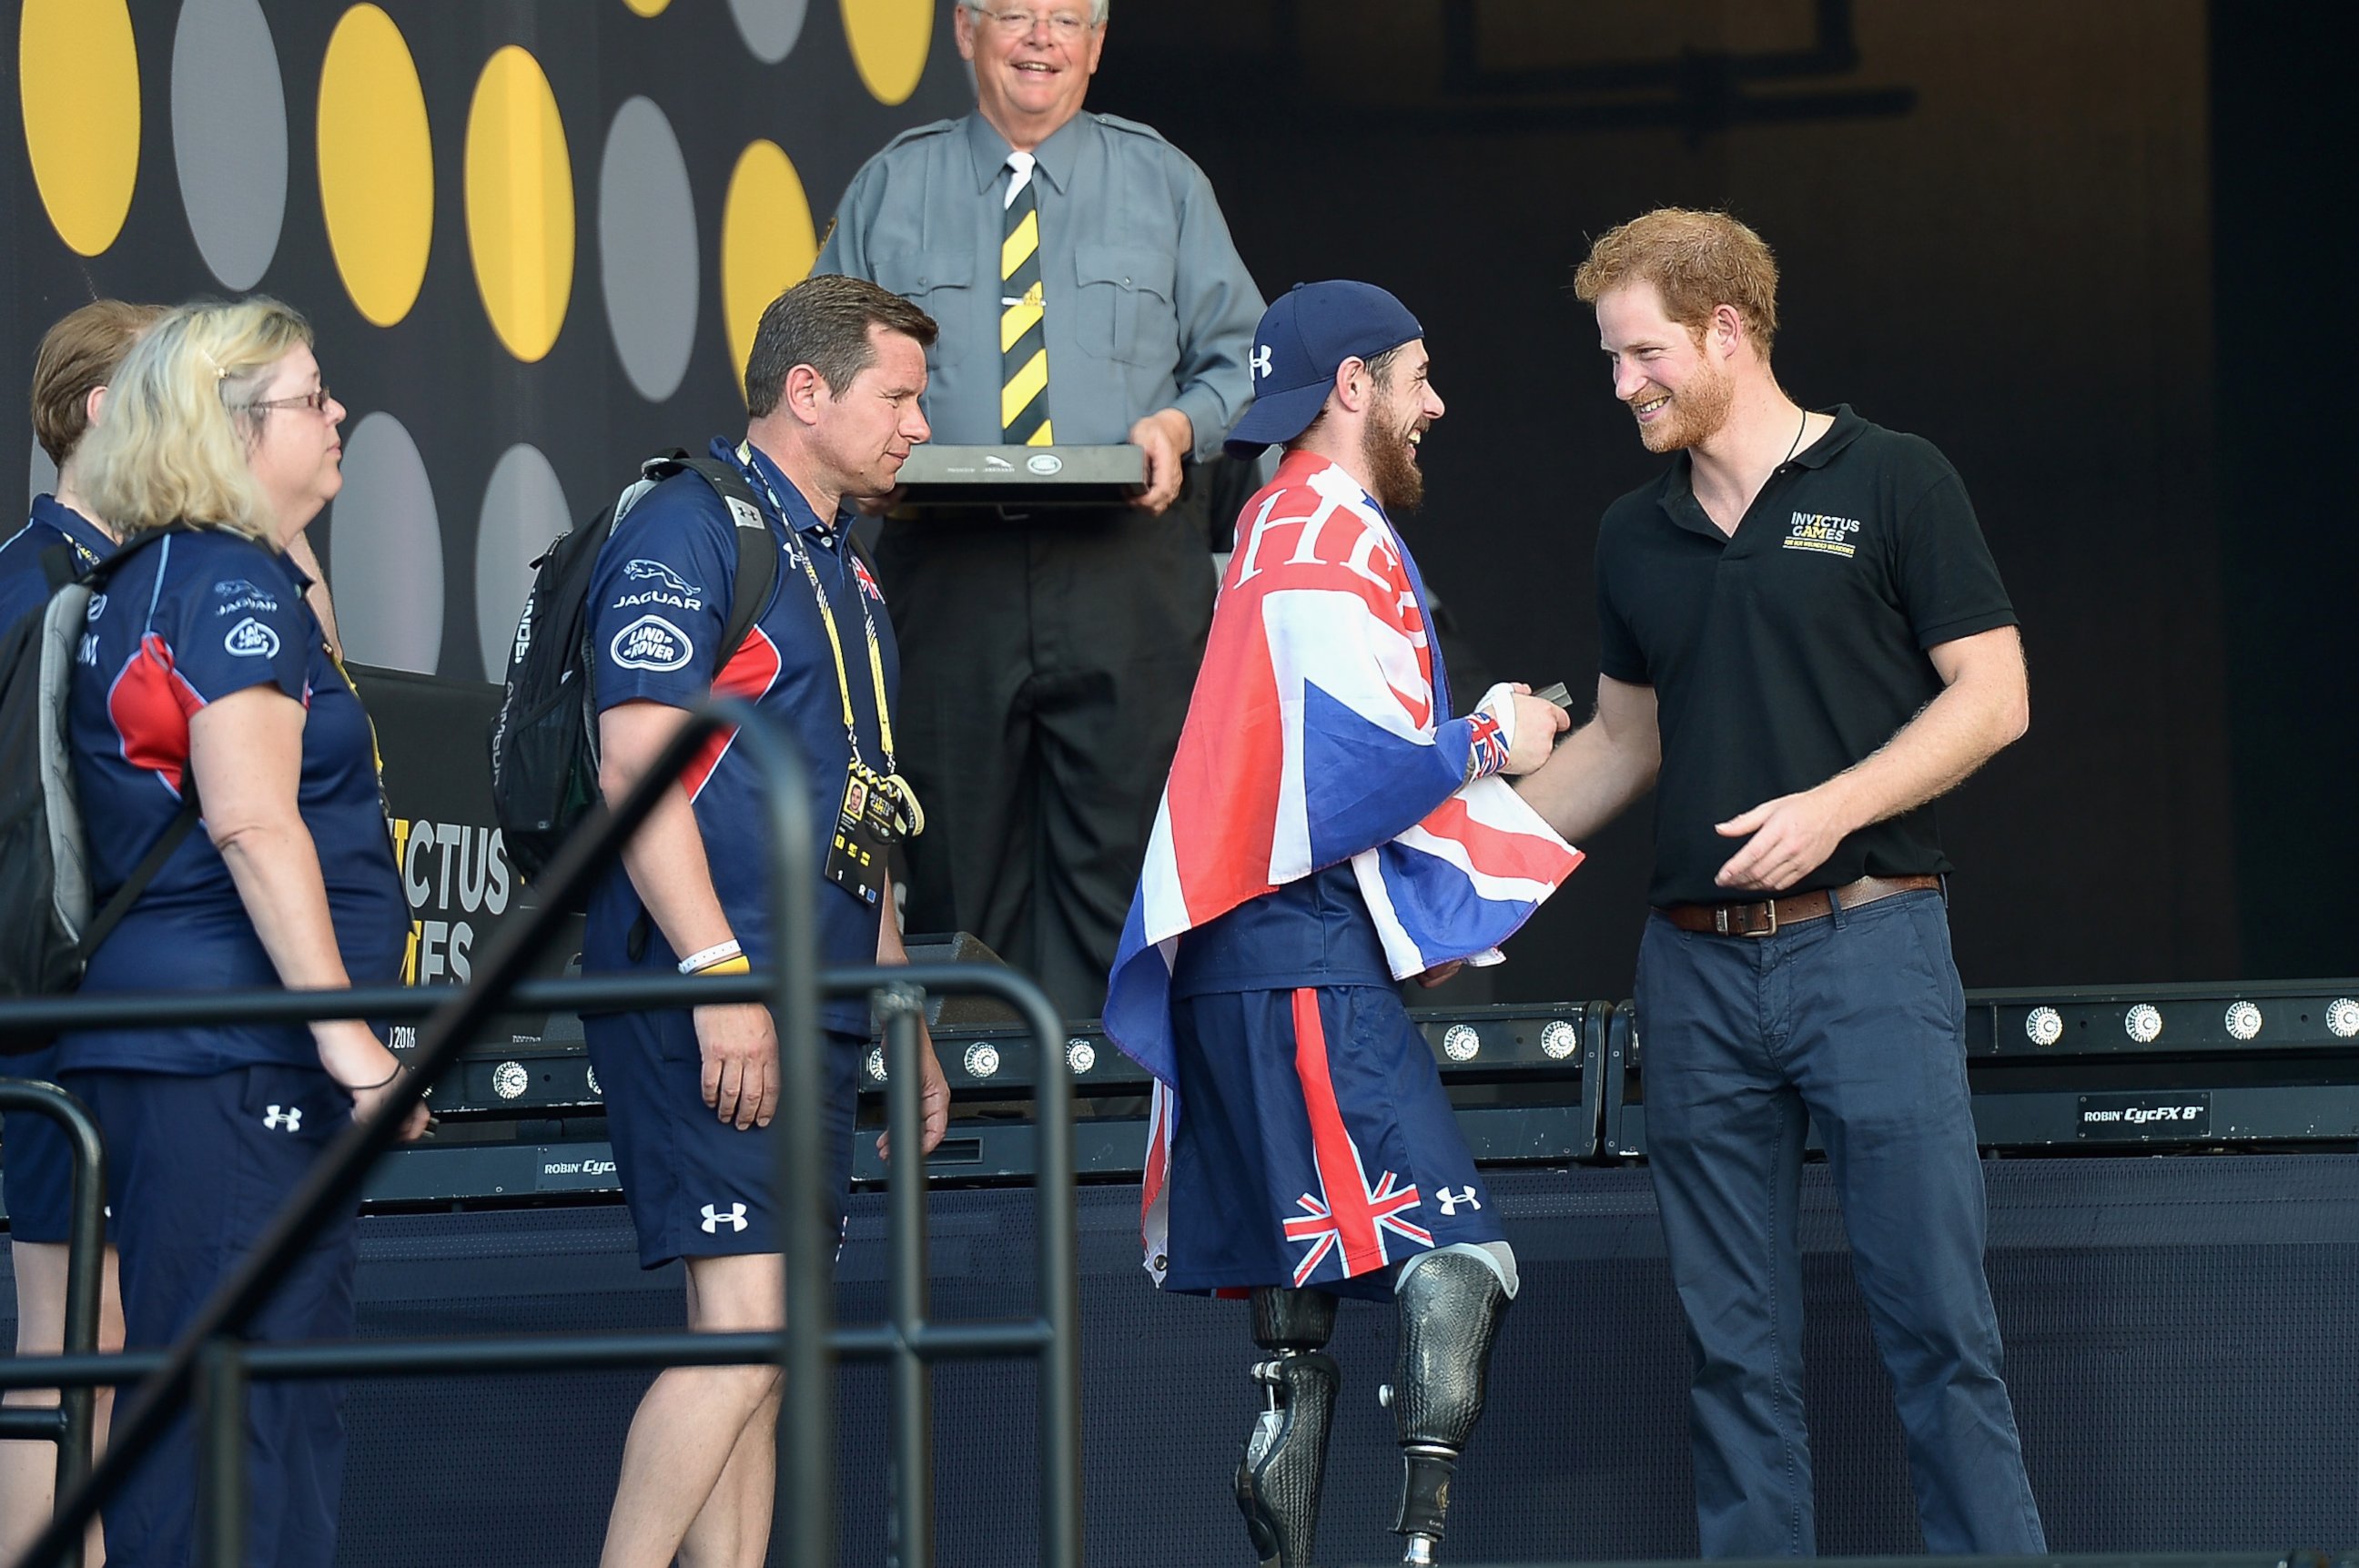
[210, 1356]
[70, 1425]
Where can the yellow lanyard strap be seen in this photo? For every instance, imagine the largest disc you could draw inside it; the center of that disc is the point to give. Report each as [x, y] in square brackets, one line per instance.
[801, 555]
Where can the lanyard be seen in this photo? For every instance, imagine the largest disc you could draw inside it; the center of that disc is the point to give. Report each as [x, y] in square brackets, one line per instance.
[798, 552]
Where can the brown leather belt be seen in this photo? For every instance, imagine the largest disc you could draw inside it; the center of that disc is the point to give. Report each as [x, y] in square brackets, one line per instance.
[1773, 915]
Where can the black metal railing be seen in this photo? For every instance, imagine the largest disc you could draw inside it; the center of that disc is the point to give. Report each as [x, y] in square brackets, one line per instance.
[68, 1422]
[211, 1365]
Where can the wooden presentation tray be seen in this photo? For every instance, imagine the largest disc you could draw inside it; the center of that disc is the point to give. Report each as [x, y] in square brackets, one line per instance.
[938, 478]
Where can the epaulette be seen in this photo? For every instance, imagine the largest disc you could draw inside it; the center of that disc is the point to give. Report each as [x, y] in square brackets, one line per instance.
[1116, 123]
[932, 128]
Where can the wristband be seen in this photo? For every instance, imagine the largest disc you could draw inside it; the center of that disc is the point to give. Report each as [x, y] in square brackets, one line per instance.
[398, 1068]
[733, 965]
[698, 963]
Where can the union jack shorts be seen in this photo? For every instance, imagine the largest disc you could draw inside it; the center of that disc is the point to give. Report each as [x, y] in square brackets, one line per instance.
[1315, 1144]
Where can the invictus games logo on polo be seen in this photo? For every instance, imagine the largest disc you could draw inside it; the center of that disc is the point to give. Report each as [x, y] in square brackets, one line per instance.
[1823, 533]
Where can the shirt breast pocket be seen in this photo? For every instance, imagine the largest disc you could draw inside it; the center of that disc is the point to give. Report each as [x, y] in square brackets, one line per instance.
[1122, 304]
[934, 280]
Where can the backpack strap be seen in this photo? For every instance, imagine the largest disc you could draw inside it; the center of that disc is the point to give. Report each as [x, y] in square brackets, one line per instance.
[60, 565]
[103, 924]
[757, 546]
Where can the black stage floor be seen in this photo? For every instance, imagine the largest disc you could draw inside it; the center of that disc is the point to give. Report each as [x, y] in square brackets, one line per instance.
[2183, 1334]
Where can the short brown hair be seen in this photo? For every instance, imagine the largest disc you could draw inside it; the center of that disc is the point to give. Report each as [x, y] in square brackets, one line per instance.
[1697, 262]
[823, 322]
[77, 357]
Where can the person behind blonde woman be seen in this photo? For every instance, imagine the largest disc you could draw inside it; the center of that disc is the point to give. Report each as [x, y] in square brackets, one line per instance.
[205, 671]
[76, 359]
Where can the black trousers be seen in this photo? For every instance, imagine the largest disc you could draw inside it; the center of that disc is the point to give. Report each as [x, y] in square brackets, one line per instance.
[1046, 667]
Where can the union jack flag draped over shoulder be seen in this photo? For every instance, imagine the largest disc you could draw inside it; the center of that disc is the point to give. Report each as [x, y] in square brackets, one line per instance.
[1319, 732]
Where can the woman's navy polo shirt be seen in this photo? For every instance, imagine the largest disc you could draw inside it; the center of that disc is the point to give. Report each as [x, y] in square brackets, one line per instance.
[188, 621]
[659, 602]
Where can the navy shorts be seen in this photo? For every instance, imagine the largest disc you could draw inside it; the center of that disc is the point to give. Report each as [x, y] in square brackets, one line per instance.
[38, 1159]
[697, 1186]
[1315, 1144]
[197, 1168]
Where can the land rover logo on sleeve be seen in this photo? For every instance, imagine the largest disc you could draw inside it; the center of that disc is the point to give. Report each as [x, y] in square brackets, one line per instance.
[2045, 1026]
[1045, 464]
[651, 643]
[251, 639]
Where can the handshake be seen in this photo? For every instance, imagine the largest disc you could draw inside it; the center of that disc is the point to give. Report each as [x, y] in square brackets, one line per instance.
[1533, 722]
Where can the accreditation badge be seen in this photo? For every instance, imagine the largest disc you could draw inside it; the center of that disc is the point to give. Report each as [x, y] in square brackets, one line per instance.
[864, 830]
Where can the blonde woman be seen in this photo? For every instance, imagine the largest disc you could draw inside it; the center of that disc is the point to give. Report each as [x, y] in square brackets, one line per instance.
[206, 699]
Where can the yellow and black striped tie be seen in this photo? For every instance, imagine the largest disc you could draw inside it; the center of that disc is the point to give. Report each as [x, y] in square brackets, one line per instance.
[1023, 345]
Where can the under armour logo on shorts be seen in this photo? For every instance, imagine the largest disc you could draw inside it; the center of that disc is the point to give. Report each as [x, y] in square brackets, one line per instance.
[714, 1219]
[1450, 1200]
[284, 1118]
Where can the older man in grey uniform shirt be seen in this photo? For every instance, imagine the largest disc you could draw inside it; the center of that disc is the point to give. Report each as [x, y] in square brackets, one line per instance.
[1046, 660]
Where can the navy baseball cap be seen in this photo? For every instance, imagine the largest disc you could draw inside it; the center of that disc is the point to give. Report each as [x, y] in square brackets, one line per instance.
[1312, 329]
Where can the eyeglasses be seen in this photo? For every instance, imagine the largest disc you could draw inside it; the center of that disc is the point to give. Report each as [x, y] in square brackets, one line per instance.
[316, 401]
[1065, 26]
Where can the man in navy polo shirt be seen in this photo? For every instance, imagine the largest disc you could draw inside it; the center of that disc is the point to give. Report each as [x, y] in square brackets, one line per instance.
[831, 383]
[1803, 634]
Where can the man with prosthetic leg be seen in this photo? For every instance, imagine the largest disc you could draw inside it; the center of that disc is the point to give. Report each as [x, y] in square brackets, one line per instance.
[1327, 830]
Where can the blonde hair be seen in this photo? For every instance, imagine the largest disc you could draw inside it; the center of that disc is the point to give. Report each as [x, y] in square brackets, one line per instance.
[1697, 262]
[173, 445]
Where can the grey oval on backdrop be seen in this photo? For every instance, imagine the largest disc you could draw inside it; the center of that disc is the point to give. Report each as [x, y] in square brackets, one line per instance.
[44, 476]
[647, 248]
[229, 136]
[524, 509]
[769, 26]
[383, 550]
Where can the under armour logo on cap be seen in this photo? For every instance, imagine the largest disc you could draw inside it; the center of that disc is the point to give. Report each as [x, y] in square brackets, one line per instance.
[284, 1118]
[714, 1219]
[1450, 1200]
[1304, 337]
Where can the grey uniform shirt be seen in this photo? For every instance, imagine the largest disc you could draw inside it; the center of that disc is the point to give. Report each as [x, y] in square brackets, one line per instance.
[1146, 304]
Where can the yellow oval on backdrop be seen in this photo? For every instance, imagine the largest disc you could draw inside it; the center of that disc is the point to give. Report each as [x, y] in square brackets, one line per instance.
[377, 165]
[767, 243]
[519, 203]
[890, 40]
[78, 83]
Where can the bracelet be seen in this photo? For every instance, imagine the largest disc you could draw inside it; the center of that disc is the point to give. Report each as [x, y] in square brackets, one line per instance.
[400, 1067]
[697, 963]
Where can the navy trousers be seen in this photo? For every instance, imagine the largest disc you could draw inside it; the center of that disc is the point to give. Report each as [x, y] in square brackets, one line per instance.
[1856, 1023]
[196, 1168]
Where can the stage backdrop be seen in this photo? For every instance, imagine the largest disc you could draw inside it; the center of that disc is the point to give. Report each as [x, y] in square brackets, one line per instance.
[534, 236]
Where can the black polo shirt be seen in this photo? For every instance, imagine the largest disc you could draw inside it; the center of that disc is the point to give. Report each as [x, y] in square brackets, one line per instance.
[1786, 653]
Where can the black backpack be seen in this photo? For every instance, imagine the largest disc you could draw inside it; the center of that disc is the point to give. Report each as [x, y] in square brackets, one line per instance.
[545, 740]
[46, 930]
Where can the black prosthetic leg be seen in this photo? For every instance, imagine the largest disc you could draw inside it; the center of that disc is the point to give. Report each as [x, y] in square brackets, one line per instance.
[1286, 1457]
[1450, 1308]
